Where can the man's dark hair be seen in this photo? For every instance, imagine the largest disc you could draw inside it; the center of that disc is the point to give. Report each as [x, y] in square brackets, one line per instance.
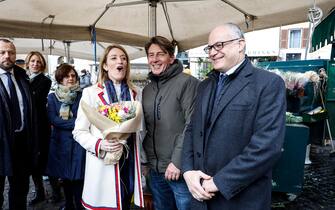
[162, 42]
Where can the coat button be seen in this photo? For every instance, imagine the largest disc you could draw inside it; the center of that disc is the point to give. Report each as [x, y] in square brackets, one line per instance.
[200, 133]
[198, 154]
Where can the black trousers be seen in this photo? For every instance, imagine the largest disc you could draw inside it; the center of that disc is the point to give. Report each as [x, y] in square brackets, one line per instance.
[19, 181]
[73, 190]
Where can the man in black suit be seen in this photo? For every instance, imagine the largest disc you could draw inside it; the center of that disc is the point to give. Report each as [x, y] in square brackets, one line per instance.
[236, 131]
[18, 149]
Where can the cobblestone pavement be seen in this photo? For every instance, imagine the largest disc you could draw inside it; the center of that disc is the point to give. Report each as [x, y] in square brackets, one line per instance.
[319, 184]
[45, 205]
[318, 192]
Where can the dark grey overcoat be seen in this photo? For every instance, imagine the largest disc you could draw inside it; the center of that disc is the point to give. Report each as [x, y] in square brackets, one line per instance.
[241, 140]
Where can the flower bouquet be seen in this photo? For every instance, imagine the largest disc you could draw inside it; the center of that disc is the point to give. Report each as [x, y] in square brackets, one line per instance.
[115, 121]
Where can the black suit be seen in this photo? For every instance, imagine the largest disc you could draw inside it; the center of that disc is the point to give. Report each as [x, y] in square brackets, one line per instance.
[18, 150]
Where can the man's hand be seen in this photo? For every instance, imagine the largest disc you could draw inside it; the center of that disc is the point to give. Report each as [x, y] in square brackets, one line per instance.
[209, 186]
[145, 170]
[193, 181]
[172, 173]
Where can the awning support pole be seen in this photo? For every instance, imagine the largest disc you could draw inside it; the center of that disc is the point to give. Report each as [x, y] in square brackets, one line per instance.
[152, 18]
[94, 34]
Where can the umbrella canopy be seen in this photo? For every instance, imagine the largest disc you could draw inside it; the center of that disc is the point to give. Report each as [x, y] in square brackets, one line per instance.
[77, 49]
[131, 22]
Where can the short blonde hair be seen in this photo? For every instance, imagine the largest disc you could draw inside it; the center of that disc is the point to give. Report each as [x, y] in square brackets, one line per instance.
[103, 74]
[40, 56]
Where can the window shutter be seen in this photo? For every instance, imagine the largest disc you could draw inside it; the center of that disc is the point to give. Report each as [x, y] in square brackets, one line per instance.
[305, 34]
[284, 38]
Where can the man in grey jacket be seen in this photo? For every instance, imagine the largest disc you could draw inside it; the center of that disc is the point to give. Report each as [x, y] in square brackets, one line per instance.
[167, 103]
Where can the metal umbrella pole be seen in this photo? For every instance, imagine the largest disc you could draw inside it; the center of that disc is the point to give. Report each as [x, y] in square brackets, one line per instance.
[327, 122]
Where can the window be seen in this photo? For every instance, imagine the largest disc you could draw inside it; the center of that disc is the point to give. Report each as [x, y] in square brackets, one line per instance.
[295, 38]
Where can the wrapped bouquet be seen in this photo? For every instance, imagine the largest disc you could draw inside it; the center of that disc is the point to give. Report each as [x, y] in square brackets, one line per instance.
[115, 121]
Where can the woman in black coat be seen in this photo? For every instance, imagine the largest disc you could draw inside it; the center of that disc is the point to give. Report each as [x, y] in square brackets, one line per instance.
[40, 86]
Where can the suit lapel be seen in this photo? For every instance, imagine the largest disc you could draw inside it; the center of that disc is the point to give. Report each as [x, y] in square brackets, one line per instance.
[4, 95]
[3, 91]
[23, 83]
[206, 102]
[231, 90]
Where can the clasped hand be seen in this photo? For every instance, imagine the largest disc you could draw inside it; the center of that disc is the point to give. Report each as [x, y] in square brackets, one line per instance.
[200, 185]
[111, 145]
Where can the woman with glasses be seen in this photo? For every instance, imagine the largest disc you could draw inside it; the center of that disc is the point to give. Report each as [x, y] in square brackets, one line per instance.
[66, 156]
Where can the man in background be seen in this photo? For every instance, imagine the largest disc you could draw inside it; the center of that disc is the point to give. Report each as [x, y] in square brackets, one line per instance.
[85, 79]
[18, 150]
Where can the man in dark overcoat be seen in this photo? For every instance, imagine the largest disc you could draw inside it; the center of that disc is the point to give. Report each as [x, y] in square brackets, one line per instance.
[236, 131]
[18, 150]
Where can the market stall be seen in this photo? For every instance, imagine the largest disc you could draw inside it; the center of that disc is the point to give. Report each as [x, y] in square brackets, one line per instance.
[305, 116]
[310, 118]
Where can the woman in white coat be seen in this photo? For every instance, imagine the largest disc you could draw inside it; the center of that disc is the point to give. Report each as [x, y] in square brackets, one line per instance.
[109, 186]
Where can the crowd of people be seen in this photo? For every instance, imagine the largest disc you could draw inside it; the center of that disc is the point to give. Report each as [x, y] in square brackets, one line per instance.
[207, 144]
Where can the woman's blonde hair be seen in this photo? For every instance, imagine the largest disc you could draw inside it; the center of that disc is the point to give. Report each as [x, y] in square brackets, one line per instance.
[40, 56]
[103, 74]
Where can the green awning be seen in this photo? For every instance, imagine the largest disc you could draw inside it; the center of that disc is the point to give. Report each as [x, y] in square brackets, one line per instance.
[324, 33]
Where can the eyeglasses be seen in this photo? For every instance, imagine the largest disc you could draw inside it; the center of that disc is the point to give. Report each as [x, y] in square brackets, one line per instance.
[218, 45]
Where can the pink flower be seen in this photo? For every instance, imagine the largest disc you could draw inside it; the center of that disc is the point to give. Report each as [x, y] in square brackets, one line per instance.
[125, 109]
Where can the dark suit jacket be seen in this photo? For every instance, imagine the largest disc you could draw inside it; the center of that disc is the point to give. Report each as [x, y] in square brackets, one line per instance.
[6, 131]
[241, 140]
[40, 87]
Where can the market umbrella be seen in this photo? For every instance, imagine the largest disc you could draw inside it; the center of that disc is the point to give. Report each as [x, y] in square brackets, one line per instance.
[127, 21]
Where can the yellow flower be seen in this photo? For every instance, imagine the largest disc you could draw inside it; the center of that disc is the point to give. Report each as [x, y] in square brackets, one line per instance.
[116, 112]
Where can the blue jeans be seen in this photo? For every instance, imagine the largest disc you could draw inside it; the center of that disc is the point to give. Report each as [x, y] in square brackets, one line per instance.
[169, 195]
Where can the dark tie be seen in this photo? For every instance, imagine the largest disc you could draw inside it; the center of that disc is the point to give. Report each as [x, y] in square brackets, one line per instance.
[222, 80]
[15, 107]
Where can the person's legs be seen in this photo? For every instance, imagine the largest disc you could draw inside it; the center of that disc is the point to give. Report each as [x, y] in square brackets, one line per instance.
[161, 192]
[68, 193]
[19, 181]
[18, 191]
[77, 193]
[56, 194]
[2, 187]
[127, 175]
[181, 194]
[126, 202]
[39, 189]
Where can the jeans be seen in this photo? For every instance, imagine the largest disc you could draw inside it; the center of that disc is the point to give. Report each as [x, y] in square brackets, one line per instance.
[169, 195]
